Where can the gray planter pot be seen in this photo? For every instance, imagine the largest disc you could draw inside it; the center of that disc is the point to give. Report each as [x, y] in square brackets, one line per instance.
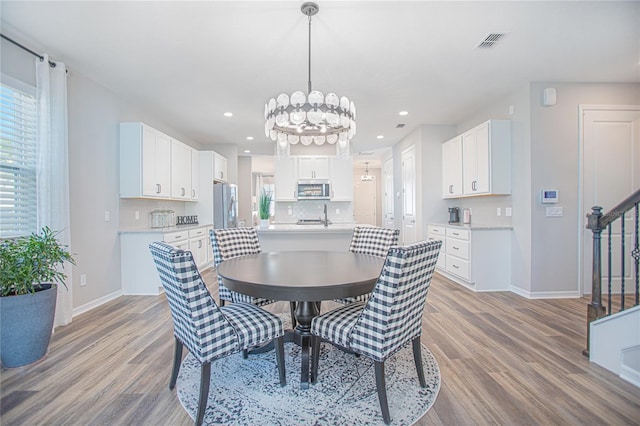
[26, 322]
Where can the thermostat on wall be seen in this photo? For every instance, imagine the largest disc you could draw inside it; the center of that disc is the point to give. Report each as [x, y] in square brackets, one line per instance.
[549, 196]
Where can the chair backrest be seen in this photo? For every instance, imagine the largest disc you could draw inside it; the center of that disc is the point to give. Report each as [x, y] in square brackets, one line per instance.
[198, 322]
[393, 314]
[233, 242]
[373, 240]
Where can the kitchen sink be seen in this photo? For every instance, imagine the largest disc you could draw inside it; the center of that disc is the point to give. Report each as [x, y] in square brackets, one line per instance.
[312, 222]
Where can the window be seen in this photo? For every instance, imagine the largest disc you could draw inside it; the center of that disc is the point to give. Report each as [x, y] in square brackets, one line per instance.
[18, 197]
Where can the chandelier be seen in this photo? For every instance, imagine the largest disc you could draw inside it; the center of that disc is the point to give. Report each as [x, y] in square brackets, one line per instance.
[310, 118]
[366, 177]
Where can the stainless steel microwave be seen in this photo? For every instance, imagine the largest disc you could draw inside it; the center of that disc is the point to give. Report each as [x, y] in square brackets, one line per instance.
[313, 190]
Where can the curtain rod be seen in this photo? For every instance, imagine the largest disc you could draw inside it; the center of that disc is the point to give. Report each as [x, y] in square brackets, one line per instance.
[37, 55]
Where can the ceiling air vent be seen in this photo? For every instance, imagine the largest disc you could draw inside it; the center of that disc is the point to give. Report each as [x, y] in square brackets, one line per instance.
[490, 40]
[400, 126]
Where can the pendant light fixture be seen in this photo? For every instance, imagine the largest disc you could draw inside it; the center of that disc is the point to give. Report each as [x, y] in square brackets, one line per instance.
[366, 177]
[310, 118]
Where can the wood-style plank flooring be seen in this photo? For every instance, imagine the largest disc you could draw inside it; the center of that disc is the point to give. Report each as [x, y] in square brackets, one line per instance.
[504, 360]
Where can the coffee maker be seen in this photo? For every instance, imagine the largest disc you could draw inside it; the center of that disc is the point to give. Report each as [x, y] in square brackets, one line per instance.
[454, 215]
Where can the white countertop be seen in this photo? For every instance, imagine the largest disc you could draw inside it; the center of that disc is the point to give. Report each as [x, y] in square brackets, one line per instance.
[164, 230]
[472, 226]
[292, 227]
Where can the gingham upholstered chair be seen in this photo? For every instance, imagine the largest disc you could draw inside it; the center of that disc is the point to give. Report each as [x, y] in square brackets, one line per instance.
[209, 332]
[391, 318]
[374, 241]
[233, 242]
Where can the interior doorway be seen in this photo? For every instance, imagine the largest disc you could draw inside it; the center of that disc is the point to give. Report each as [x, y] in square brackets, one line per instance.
[610, 165]
[365, 200]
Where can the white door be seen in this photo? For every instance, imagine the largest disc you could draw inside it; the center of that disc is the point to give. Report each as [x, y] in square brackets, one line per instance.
[611, 172]
[364, 201]
[387, 176]
[409, 232]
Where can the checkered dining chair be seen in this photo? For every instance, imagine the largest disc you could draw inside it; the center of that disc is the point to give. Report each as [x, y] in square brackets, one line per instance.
[208, 331]
[234, 242]
[371, 240]
[391, 318]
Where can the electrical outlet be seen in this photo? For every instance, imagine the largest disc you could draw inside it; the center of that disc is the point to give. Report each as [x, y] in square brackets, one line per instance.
[337, 211]
[107, 215]
[555, 211]
[137, 215]
[499, 211]
[507, 211]
[83, 280]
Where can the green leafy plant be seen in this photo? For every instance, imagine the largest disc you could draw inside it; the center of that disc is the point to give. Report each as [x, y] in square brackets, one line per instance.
[28, 262]
[264, 205]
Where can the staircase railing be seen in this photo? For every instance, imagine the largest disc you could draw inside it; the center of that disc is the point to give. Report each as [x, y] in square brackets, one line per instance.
[598, 222]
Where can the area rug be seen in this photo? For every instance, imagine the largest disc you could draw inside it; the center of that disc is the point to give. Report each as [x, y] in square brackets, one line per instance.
[247, 391]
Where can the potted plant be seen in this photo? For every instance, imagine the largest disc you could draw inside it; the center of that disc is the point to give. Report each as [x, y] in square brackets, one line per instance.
[29, 271]
[264, 206]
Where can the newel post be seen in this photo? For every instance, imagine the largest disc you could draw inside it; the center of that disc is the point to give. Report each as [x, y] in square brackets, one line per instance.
[595, 309]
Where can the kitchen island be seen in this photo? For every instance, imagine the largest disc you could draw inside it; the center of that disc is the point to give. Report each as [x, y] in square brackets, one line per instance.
[293, 237]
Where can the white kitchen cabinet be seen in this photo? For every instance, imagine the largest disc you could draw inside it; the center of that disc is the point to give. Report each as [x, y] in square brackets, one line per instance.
[286, 178]
[341, 177]
[477, 258]
[310, 167]
[180, 171]
[138, 272]
[486, 159]
[195, 175]
[219, 168]
[452, 168]
[145, 162]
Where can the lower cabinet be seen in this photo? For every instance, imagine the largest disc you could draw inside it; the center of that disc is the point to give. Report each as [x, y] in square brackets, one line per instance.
[139, 275]
[478, 258]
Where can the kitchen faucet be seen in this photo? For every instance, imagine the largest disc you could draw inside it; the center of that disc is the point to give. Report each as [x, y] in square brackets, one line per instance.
[326, 220]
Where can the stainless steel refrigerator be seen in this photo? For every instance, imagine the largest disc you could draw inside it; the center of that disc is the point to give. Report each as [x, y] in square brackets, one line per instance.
[225, 205]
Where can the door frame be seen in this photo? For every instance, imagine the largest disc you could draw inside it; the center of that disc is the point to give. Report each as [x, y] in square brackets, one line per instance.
[582, 109]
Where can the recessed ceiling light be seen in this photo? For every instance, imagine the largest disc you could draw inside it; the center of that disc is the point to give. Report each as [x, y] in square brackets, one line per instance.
[403, 113]
[380, 137]
[228, 114]
[249, 138]
[247, 151]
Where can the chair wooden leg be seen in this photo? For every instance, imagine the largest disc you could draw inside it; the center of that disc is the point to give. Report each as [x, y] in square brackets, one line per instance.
[417, 358]
[205, 376]
[245, 353]
[292, 306]
[177, 360]
[222, 302]
[382, 391]
[315, 358]
[279, 345]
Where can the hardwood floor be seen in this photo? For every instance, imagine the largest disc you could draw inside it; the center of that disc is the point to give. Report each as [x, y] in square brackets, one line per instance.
[504, 360]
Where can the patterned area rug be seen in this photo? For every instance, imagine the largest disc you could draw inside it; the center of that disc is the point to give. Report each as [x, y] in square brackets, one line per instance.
[245, 392]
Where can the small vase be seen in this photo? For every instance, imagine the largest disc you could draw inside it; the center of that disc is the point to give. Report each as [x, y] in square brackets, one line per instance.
[264, 223]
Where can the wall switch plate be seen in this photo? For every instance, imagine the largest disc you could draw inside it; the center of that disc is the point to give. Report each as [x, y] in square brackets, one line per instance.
[498, 211]
[510, 109]
[83, 280]
[507, 211]
[107, 215]
[337, 211]
[555, 211]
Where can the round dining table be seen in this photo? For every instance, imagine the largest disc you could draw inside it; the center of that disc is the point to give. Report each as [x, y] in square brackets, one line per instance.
[304, 277]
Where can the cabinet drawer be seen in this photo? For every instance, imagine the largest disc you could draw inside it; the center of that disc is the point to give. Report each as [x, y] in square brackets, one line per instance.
[198, 232]
[458, 267]
[459, 248]
[462, 234]
[172, 237]
[436, 230]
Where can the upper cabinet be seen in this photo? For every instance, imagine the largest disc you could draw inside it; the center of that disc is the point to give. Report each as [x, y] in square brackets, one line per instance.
[452, 168]
[219, 168]
[180, 171]
[341, 179]
[485, 166]
[313, 167]
[286, 178]
[145, 162]
[195, 174]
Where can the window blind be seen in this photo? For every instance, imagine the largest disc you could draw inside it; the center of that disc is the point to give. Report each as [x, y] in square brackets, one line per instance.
[18, 196]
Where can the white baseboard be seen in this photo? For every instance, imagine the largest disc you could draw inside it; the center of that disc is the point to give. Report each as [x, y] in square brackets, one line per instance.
[545, 294]
[94, 304]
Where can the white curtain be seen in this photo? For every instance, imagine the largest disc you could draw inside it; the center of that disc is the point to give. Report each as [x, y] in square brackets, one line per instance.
[53, 167]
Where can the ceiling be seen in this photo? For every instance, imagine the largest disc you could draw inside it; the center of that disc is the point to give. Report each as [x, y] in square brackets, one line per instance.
[189, 62]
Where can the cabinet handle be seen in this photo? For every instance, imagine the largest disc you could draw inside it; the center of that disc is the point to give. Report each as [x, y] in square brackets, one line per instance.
[193, 193]
[455, 248]
[158, 188]
[200, 244]
[183, 191]
[456, 266]
[474, 185]
[455, 233]
[450, 189]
